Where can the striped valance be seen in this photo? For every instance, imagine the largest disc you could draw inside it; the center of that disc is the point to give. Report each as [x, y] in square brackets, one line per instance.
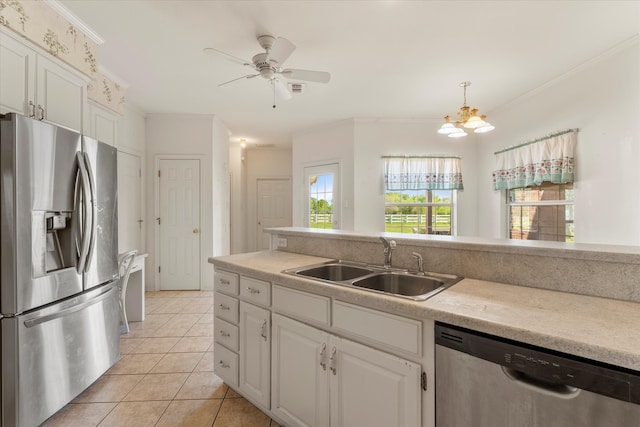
[422, 173]
[546, 159]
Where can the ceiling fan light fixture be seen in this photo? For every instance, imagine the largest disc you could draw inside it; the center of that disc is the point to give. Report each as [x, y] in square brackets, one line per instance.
[467, 118]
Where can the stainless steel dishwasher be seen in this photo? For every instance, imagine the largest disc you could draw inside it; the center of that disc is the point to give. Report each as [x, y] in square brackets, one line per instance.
[488, 381]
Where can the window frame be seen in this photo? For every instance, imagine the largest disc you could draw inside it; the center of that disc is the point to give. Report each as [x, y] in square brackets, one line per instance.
[427, 205]
[541, 203]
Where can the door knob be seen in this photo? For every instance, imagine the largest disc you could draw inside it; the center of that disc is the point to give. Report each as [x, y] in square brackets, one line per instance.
[196, 231]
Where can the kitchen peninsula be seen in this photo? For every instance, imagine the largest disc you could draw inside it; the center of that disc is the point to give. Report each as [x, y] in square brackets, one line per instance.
[578, 299]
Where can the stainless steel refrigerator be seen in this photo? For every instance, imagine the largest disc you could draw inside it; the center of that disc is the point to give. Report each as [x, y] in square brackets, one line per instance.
[59, 297]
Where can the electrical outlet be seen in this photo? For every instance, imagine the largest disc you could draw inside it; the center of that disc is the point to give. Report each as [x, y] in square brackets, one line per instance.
[282, 242]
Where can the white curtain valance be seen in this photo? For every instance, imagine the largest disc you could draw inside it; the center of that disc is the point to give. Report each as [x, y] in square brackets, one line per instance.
[549, 158]
[422, 173]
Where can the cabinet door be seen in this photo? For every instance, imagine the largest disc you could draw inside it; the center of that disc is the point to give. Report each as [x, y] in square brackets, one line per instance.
[60, 93]
[103, 124]
[300, 392]
[372, 388]
[17, 76]
[255, 356]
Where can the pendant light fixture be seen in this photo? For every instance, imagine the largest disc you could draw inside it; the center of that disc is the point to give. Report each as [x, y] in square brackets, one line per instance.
[467, 118]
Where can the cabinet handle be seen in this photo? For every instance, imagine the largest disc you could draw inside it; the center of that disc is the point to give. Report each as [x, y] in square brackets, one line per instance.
[253, 290]
[224, 307]
[225, 334]
[263, 334]
[31, 110]
[332, 361]
[323, 351]
[41, 110]
[224, 282]
[224, 364]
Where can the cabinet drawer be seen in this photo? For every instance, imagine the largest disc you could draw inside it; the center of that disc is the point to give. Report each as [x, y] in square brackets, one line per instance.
[225, 307]
[301, 305]
[225, 364]
[225, 282]
[256, 291]
[384, 329]
[225, 333]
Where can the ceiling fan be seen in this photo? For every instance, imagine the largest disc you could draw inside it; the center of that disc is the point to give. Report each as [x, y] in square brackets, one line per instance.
[268, 64]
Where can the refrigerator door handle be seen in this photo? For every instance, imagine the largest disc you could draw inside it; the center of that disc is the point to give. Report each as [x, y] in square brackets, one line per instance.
[67, 311]
[84, 221]
[93, 209]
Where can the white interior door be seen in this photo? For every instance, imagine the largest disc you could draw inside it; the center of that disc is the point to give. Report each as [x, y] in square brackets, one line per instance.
[129, 202]
[179, 224]
[273, 208]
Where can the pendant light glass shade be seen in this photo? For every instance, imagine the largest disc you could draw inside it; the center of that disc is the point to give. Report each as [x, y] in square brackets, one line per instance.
[474, 122]
[458, 133]
[447, 128]
[487, 127]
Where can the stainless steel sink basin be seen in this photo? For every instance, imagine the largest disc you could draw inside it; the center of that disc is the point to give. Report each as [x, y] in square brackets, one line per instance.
[332, 271]
[404, 284]
[396, 282]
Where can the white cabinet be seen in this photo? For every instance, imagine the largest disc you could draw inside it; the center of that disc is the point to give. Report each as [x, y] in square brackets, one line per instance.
[364, 386]
[255, 353]
[34, 85]
[103, 124]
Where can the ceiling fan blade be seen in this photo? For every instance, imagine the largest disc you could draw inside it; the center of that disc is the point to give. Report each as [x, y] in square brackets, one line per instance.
[212, 51]
[281, 89]
[248, 76]
[308, 75]
[281, 50]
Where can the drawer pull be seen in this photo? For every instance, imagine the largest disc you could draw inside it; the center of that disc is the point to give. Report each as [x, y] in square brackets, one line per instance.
[224, 307]
[225, 282]
[224, 364]
[323, 361]
[253, 290]
[225, 334]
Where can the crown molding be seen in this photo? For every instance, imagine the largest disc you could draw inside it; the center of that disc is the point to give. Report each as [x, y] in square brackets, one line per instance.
[74, 20]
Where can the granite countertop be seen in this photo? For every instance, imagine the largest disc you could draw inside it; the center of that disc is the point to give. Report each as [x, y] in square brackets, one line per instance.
[596, 328]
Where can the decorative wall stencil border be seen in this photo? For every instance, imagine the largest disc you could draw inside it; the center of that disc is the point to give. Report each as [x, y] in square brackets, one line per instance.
[36, 21]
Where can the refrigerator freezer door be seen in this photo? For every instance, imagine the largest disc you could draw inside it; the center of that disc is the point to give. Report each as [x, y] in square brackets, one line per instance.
[38, 173]
[102, 262]
[50, 356]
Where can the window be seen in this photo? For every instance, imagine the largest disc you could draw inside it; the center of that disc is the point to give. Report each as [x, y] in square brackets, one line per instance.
[419, 211]
[544, 212]
[322, 196]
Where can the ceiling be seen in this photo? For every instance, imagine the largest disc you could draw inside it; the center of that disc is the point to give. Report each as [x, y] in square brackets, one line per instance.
[387, 59]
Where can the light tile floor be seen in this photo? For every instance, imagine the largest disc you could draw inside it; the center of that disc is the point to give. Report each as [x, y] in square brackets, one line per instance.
[165, 374]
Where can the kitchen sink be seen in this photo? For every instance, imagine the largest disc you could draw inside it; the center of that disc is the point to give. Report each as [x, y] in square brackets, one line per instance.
[334, 271]
[391, 281]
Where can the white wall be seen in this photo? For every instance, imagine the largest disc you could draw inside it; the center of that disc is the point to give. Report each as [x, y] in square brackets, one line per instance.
[204, 136]
[602, 99]
[262, 163]
[330, 144]
[238, 197]
[359, 144]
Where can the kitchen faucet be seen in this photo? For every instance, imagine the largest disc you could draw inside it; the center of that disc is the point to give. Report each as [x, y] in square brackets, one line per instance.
[389, 245]
[418, 258]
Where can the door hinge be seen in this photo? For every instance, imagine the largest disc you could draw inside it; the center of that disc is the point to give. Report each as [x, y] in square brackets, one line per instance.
[140, 173]
[423, 381]
[158, 269]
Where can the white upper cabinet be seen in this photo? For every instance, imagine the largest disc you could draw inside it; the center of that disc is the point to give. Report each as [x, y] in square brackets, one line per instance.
[103, 124]
[34, 85]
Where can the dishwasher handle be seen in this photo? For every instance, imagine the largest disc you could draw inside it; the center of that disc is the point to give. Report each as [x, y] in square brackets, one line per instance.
[560, 391]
